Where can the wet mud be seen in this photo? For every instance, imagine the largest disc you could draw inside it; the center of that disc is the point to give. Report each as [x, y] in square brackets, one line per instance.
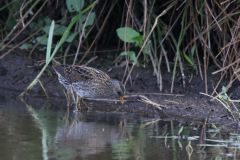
[17, 71]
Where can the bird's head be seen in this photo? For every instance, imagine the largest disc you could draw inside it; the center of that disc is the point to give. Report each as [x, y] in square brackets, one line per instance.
[118, 89]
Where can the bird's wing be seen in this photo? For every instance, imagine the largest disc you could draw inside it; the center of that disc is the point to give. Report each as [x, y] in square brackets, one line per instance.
[82, 73]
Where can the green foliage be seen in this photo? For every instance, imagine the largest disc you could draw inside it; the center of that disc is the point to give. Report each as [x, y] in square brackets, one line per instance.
[73, 5]
[213, 125]
[44, 41]
[132, 36]
[71, 37]
[49, 57]
[128, 34]
[188, 59]
[131, 55]
[48, 72]
[25, 46]
[90, 19]
[58, 30]
[180, 130]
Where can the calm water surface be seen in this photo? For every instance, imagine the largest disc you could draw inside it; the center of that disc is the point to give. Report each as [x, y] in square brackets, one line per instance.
[29, 132]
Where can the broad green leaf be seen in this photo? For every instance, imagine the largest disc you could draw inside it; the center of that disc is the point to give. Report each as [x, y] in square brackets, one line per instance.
[74, 5]
[188, 59]
[131, 55]
[90, 19]
[126, 34]
[25, 46]
[11, 23]
[146, 50]
[71, 37]
[36, 25]
[57, 32]
[32, 25]
[47, 20]
[138, 38]
[44, 41]
[83, 18]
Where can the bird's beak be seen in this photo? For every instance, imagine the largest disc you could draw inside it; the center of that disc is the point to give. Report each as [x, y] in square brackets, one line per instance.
[121, 99]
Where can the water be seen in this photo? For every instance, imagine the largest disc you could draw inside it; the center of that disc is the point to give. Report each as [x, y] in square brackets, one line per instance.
[48, 132]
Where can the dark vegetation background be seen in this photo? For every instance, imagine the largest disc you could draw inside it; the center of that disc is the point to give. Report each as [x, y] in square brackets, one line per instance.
[189, 39]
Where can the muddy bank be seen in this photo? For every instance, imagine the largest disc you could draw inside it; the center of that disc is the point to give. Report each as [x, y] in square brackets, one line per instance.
[18, 71]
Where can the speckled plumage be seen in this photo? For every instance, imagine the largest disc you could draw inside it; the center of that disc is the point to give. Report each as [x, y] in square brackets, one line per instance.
[88, 82]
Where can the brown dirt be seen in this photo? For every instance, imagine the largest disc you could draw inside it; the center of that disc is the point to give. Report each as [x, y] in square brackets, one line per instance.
[18, 71]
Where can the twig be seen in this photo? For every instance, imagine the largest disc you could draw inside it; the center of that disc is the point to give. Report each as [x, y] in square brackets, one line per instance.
[90, 60]
[80, 37]
[145, 42]
[172, 102]
[21, 29]
[158, 94]
[100, 31]
[213, 16]
[148, 123]
[148, 101]
[43, 88]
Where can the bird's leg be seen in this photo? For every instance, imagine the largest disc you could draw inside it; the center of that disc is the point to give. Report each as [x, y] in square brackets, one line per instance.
[69, 90]
[68, 98]
[84, 104]
[73, 97]
[78, 103]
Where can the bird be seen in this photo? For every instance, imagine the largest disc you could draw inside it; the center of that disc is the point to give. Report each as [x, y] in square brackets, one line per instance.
[88, 82]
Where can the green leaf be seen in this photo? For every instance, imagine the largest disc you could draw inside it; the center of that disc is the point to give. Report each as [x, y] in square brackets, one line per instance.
[83, 18]
[25, 46]
[179, 144]
[180, 131]
[130, 33]
[32, 25]
[188, 59]
[42, 49]
[138, 38]
[193, 50]
[47, 20]
[57, 32]
[223, 97]
[214, 134]
[11, 23]
[71, 37]
[36, 25]
[74, 5]
[213, 125]
[90, 19]
[224, 89]
[146, 50]
[64, 36]
[131, 54]
[44, 41]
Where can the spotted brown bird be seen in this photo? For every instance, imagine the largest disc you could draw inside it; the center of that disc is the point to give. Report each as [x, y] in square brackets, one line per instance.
[88, 82]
